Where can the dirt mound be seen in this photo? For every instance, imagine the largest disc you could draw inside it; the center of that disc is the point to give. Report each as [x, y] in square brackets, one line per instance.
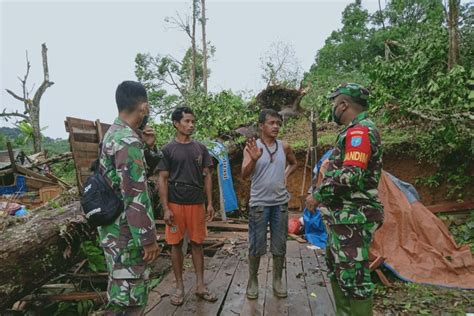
[278, 97]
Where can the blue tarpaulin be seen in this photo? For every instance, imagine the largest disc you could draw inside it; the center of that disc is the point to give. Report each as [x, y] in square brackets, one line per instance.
[314, 229]
[226, 185]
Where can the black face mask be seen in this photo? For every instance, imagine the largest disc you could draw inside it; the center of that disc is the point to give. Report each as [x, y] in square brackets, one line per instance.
[144, 122]
[335, 118]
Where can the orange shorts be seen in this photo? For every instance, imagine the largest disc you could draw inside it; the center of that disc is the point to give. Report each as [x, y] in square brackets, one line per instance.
[190, 218]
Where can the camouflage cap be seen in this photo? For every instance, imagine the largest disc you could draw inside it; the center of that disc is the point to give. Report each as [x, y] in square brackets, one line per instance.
[354, 90]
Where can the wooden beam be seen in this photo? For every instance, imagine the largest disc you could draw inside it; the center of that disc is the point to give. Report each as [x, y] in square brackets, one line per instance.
[12, 158]
[218, 226]
[73, 296]
[33, 174]
[6, 171]
[450, 207]
[382, 277]
[376, 263]
[298, 238]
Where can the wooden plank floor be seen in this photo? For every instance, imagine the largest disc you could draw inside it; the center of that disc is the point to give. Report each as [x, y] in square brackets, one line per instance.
[226, 274]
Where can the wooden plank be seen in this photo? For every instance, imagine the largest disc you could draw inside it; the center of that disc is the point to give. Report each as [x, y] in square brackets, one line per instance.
[86, 138]
[73, 296]
[36, 184]
[450, 207]
[100, 132]
[274, 305]
[382, 277]
[319, 299]
[84, 130]
[84, 163]
[218, 225]
[376, 263]
[210, 271]
[256, 307]
[167, 287]
[298, 238]
[11, 156]
[32, 174]
[321, 257]
[83, 146]
[5, 172]
[236, 298]
[220, 285]
[77, 122]
[293, 249]
[69, 123]
[298, 299]
[86, 154]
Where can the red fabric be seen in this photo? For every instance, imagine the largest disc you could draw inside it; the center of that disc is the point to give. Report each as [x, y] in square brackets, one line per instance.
[294, 226]
[417, 244]
[357, 150]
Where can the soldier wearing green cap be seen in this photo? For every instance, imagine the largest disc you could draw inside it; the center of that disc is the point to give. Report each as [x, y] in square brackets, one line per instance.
[129, 243]
[348, 200]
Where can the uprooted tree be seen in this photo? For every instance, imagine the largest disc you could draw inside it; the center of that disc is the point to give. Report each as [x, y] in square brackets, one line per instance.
[31, 114]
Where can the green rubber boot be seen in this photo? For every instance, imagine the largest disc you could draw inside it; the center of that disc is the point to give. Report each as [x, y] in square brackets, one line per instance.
[278, 288]
[252, 285]
[362, 307]
[343, 304]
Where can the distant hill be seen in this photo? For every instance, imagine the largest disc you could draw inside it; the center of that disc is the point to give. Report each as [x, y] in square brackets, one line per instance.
[10, 132]
[54, 146]
[13, 132]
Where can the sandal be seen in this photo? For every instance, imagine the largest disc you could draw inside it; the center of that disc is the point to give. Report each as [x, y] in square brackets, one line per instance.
[207, 296]
[176, 299]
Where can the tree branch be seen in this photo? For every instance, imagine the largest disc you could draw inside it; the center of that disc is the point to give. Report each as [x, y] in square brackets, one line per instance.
[46, 83]
[15, 96]
[10, 114]
[174, 82]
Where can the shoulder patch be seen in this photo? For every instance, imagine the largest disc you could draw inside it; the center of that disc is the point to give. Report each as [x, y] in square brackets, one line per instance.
[357, 147]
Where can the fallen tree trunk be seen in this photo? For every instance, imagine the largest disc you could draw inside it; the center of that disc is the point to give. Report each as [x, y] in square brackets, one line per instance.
[33, 252]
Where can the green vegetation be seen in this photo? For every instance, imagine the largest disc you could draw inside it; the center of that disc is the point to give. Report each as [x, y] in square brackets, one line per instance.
[415, 299]
[461, 227]
[21, 139]
[402, 53]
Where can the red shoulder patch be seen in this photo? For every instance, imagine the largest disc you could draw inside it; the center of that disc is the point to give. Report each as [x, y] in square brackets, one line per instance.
[357, 151]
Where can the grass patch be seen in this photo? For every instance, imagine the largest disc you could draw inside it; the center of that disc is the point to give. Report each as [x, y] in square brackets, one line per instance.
[414, 299]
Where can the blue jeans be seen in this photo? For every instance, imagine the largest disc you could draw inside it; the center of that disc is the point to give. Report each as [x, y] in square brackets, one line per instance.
[259, 217]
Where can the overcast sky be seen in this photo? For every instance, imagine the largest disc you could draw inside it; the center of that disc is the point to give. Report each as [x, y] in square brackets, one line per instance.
[92, 46]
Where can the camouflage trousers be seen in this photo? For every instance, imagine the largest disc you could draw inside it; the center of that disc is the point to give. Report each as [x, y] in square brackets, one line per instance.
[128, 277]
[348, 258]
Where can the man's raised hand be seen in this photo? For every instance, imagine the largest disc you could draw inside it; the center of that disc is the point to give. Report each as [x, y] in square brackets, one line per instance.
[253, 150]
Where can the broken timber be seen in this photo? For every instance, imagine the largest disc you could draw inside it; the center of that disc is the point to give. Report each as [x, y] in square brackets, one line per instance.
[226, 274]
[84, 137]
[33, 252]
[219, 226]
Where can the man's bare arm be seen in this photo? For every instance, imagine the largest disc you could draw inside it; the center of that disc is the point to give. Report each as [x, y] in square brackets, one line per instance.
[163, 189]
[291, 158]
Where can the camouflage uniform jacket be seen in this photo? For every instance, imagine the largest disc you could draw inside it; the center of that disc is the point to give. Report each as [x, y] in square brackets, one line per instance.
[348, 192]
[123, 164]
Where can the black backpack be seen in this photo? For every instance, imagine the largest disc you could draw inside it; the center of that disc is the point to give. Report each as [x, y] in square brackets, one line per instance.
[100, 203]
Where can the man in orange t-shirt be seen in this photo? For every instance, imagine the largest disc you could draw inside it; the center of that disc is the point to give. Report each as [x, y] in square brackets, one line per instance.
[185, 174]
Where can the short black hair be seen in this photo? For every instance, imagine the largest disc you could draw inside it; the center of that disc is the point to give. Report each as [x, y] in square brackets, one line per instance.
[129, 95]
[265, 113]
[178, 113]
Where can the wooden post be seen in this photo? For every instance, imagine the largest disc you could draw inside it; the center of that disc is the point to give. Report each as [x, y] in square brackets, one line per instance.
[12, 157]
[221, 196]
[100, 133]
[314, 143]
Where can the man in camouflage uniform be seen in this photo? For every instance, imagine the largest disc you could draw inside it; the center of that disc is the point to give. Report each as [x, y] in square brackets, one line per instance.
[130, 242]
[349, 200]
